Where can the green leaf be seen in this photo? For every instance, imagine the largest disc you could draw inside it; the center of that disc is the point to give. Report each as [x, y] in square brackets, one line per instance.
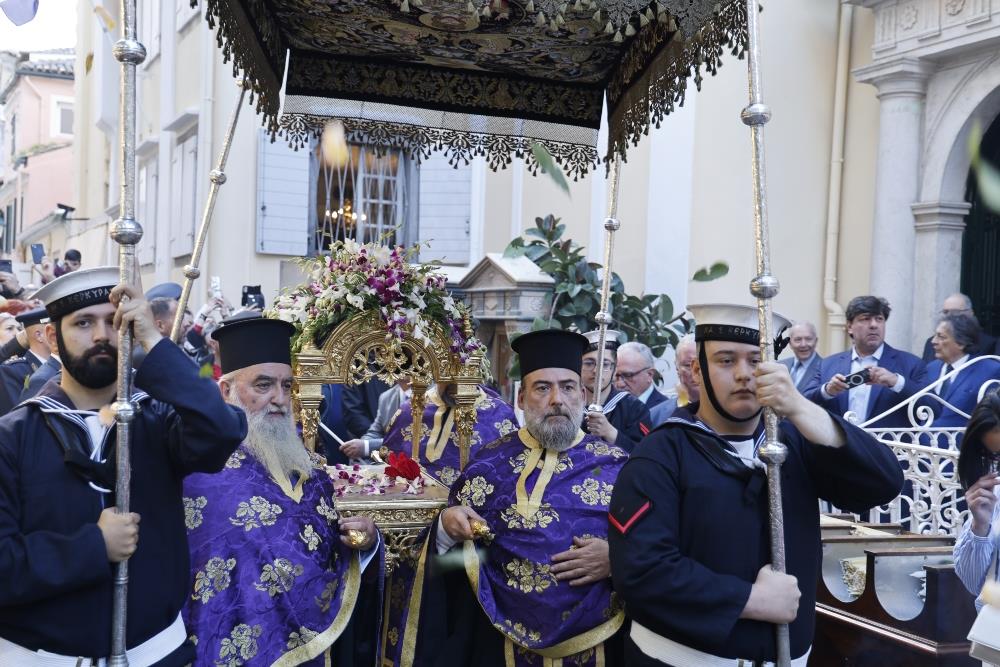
[536, 252]
[708, 274]
[569, 310]
[539, 323]
[539, 233]
[665, 309]
[548, 166]
[574, 290]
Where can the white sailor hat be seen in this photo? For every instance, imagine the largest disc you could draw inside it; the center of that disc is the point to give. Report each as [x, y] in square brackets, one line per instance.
[731, 322]
[612, 339]
[77, 289]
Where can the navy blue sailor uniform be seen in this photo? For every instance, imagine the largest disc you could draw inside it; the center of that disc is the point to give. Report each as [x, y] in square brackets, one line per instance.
[629, 416]
[55, 578]
[14, 376]
[689, 532]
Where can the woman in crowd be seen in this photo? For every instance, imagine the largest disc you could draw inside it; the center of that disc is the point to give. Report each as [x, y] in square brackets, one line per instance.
[979, 544]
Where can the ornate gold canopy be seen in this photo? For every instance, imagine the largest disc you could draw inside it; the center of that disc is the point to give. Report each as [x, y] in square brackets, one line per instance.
[359, 349]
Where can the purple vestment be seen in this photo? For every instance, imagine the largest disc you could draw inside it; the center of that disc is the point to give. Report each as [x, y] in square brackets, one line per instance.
[439, 453]
[272, 583]
[535, 502]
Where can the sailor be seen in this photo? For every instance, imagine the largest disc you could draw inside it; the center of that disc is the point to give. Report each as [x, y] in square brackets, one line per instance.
[625, 419]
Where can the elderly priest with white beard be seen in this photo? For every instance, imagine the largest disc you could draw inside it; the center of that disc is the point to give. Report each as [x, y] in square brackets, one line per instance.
[277, 574]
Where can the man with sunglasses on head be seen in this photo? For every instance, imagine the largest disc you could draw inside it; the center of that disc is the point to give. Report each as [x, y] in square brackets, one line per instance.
[625, 419]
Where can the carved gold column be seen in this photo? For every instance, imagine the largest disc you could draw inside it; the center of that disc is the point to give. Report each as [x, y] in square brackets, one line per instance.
[309, 368]
[417, 403]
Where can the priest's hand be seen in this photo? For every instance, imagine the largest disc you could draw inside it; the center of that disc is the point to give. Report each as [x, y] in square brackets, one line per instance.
[457, 522]
[121, 533]
[774, 597]
[598, 425]
[362, 524]
[135, 310]
[586, 563]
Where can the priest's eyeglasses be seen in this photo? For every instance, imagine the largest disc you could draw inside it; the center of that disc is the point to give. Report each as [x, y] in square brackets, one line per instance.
[591, 364]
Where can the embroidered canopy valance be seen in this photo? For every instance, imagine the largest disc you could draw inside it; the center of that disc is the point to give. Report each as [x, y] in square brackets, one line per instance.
[476, 77]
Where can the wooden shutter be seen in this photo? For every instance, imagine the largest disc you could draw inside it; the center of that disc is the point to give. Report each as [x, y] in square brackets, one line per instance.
[283, 211]
[445, 211]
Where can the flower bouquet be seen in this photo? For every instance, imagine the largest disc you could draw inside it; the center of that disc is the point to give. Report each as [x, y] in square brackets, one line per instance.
[359, 278]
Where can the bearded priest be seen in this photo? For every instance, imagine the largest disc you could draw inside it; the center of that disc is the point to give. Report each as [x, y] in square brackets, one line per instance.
[515, 571]
[276, 572]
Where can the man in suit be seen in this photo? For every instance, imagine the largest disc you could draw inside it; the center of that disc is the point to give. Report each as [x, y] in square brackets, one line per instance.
[687, 388]
[388, 405]
[636, 372]
[50, 369]
[960, 304]
[15, 373]
[894, 375]
[361, 405]
[805, 363]
[954, 341]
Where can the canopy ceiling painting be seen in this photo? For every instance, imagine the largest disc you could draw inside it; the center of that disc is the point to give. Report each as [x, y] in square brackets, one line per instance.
[476, 77]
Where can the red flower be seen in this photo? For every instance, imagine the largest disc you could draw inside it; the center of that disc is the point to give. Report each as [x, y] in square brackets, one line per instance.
[401, 465]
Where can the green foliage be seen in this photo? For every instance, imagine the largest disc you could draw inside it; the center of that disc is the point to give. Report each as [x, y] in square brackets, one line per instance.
[549, 166]
[574, 303]
[710, 273]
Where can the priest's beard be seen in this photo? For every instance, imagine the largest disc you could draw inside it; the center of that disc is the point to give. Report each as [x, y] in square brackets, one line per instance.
[89, 371]
[272, 440]
[555, 428]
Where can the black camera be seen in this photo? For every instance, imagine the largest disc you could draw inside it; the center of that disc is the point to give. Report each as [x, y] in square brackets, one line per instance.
[859, 378]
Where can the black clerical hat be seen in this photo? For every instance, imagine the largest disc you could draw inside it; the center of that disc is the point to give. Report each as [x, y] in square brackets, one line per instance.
[247, 341]
[31, 317]
[550, 348]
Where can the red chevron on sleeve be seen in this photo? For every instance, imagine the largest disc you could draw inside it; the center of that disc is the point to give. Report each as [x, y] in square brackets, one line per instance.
[643, 428]
[624, 528]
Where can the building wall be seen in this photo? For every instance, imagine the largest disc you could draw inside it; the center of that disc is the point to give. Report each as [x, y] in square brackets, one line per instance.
[685, 191]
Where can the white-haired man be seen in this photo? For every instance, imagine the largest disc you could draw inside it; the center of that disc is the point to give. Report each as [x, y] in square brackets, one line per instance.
[636, 372]
[276, 571]
[805, 363]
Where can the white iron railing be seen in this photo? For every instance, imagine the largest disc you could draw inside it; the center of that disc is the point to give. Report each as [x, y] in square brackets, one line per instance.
[931, 501]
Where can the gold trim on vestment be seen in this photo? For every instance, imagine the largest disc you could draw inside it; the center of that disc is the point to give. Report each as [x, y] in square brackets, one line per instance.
[413, 608]
[325, 639]
[527, 505]
[508, 653]
[440, 434]
[283, 483]
[578, 644]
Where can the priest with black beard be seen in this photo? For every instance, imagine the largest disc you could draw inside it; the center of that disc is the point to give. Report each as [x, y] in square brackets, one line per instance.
[59, 533]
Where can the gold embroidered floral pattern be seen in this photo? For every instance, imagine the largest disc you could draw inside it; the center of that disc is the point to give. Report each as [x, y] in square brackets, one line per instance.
[327, 512]
[540, 519]
[474, 491]
[278, 577]
[192, 511]
[300, 638]
[528, 576]
[239, 647]
[213, 579]
[593, 492]
[448, 475]
[325, 598]
[601, 448]
[310, 537]
[521, 633]
[255, 513]
[506, 426]
[393, 636]
[236, 459]
[517, 462]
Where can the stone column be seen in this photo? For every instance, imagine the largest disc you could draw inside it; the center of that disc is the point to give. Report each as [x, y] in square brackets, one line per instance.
[901, 84]
[939, 227]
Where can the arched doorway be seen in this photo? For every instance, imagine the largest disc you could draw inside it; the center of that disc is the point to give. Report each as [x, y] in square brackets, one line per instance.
[981, 244]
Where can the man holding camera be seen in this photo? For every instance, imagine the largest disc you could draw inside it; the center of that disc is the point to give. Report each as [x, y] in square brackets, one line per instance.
[872, 376]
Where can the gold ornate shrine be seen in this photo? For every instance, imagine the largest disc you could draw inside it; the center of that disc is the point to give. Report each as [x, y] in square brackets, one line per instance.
[359, 349]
